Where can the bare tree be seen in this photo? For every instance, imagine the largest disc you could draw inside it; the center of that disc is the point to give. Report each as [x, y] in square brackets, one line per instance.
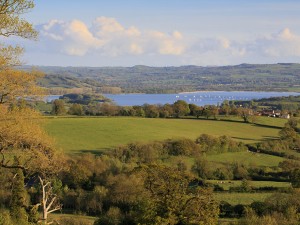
[50, 202]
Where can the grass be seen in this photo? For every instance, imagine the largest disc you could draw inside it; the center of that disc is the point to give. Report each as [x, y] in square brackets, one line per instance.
[241, 198]
[88, 220]
[101, 133]
[246, 158]
[226, 184]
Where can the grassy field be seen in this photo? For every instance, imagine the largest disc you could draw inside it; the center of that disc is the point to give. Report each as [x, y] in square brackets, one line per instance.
[88, 220]
[226, 184]
[246, 158]
[241, 198]
[94, 134]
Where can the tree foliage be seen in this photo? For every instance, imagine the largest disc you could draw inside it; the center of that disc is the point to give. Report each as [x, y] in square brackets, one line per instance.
[175, 201]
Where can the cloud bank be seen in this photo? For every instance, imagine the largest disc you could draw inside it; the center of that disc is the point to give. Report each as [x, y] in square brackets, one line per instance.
[106, 37]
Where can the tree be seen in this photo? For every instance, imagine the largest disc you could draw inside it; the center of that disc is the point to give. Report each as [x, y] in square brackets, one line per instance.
[151, 111]
[289, 131]
[58, 107]
[201, 168]
[16, 85]
[50, 201]
[21, 135]
[108, 109]
[174, 201]
[214, 111]
[206, 112]
[181, 108]
[295, 178]
[245, 114]
[225, 108]
[18, 201]
[76, 109]
[11, 24]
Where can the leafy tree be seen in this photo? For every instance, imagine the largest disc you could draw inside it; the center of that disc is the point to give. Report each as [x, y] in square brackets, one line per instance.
[201, 168]
[108, 109]
[58, 107]
[239, 171]
[76, 109]
[151, 111]
[214, 111]
[225, 108]
[112, 217]
[16, 85]
[166, 111]
[19, 199]
[289, 131]
[181, 108]
[21, 135]
[193, 109]
[295, 178]
[11, 24]
[174, 201]
[139, 111]
[245, 114]
[206, 112]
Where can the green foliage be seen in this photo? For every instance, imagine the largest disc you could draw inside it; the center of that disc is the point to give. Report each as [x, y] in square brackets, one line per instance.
[83, 99]
[185, 147]
[174, 201]
[58, 107]
[19, 199]
[222, 144]
[76, 109]
[5, 218]
[295, 178]
[277, 209]
[201, 168]
[181, 108]
[112, 217]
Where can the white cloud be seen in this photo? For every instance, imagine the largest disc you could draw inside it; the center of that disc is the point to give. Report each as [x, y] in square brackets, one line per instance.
[106, 37]
[281, 44]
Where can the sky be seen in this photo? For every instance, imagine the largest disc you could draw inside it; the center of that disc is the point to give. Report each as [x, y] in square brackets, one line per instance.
[163, 32]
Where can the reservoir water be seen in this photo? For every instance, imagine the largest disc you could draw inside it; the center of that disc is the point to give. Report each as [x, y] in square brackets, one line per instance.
[197, 98]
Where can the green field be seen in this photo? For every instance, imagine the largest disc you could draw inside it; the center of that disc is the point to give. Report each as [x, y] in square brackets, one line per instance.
[246, 158]
[101, 133]
[241, 198]
[81, 219]
[226, 184]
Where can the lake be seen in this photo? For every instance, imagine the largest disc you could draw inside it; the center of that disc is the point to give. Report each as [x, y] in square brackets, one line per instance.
[197, 98]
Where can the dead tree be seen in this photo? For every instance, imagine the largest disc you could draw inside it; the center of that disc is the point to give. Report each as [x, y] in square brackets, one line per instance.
[49, 201]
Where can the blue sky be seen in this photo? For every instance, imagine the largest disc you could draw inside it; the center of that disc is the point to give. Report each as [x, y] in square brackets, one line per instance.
[163, 32]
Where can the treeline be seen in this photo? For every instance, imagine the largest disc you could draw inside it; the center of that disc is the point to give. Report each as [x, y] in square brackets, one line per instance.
[180, 108]
[277, 209]
[158, 151]
[286, 103]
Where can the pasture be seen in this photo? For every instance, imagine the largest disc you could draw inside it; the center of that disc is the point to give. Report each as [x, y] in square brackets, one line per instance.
[226, 184]
[242, 198]
[246, 158]
[79, 134]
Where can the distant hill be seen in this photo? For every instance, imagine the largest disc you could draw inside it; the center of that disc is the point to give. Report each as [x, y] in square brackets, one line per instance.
[145, 79]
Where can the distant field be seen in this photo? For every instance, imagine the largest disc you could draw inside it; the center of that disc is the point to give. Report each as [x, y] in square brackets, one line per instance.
[101, 133]
[87, 220]
[241, 198]
[246, 158]
[257, 184]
